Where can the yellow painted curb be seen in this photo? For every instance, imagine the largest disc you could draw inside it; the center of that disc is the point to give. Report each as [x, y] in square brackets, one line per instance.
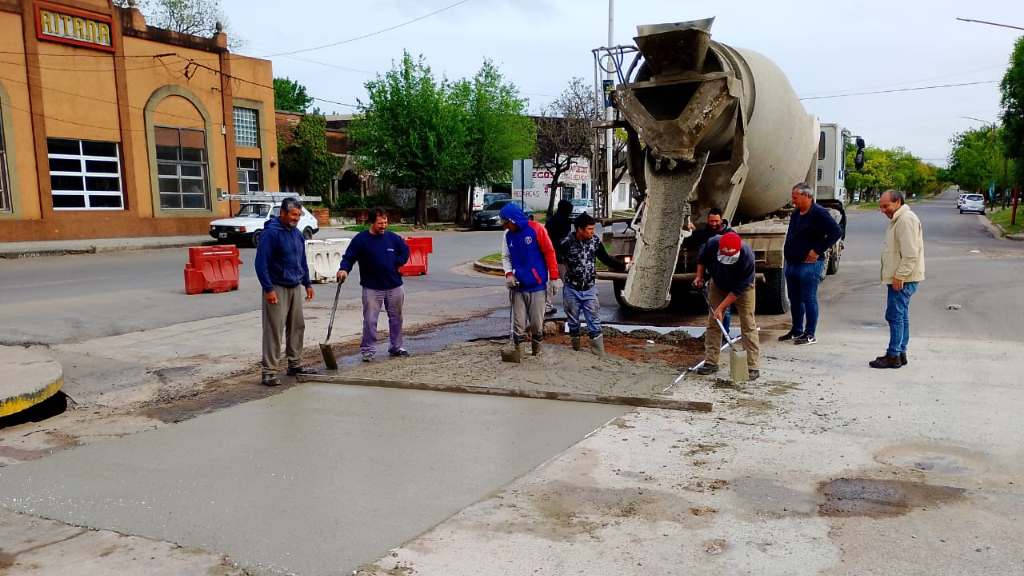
[18, 403]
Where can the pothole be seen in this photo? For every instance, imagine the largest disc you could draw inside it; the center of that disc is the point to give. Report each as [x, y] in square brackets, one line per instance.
[846, 497]
[940, 460]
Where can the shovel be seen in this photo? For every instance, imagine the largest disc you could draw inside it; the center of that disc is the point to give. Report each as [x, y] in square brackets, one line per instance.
[329, 360]
[738, 370]
[511, 355]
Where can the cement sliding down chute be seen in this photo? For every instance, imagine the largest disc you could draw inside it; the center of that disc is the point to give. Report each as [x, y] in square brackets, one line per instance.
[715, 126]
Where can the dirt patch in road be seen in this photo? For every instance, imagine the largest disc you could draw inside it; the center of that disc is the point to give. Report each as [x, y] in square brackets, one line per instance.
[633, 366]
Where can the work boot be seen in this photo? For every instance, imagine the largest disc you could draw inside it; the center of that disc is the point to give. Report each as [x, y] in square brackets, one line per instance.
[753, 374]
[903, 358]
[887, 361]
[520, 351]
[707, 369]
[535, 348]
[270, 380]
[597, 346]
[576, 343]
[301, 370]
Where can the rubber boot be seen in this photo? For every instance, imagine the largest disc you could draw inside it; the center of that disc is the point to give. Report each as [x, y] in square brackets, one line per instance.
[520, 351]
[535, 348]
[597, 346]
[576, 343]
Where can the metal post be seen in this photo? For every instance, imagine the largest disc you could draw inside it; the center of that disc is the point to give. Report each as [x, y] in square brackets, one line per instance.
[609, 139]
[1013, 213]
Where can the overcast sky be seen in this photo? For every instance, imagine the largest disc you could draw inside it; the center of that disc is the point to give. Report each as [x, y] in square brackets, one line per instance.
[825, 47]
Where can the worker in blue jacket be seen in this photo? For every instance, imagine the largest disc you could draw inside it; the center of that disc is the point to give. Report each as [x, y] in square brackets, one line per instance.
[282, 271]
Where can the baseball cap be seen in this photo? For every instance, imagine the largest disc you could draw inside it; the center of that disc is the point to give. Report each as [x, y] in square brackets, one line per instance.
[730, 244]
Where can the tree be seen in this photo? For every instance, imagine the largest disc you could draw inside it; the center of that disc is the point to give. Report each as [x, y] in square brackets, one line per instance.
[306, 161]
[291, 96]
[497, 131]
[564, 133]
[1012, 115]
[410, 132]
[976, 159]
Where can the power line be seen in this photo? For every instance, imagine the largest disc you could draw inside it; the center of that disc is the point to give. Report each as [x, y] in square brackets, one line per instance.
[900, 90]
[450, 6]
[909, 81]
[310, 60]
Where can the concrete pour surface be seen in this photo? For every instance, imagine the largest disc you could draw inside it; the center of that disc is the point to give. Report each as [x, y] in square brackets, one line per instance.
[320, 479]
[30, 376]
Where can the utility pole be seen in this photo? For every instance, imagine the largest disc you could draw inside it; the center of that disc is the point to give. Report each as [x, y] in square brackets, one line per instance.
[609, 113]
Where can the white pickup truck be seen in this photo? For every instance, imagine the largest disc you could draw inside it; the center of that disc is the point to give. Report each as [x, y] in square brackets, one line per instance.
[247, 224]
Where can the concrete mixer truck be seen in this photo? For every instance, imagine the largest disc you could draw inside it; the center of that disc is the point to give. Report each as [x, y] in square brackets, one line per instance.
[709, 125]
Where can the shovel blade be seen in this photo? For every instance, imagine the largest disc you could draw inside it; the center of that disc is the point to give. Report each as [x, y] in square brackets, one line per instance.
[738, 365]
[328, 353]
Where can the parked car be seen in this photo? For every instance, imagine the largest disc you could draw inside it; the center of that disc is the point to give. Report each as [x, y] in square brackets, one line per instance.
[247, 224]
[973, 203]
[488, 217]
[581, 205]
[960, 200]
[491, 198]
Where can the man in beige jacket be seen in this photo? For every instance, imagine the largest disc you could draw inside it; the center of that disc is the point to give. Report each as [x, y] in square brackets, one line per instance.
[902, 270]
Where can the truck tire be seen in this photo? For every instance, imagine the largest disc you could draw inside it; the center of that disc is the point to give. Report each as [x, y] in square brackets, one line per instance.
[255, 238]
[833, 263]
[617, 287]
[771, 296]
[824, 269]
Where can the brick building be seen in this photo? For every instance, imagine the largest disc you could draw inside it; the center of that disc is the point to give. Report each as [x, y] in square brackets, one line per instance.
[112, 128]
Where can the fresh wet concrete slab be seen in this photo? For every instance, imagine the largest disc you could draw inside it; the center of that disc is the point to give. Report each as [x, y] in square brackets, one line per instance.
[319, 479]
[30, 377]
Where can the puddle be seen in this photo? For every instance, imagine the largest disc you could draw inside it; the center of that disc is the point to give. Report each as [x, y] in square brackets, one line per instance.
[871, 325]
[847, 497]
[941, 460]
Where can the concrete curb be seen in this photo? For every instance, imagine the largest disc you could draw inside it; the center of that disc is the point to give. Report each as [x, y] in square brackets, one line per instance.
[95, 249]
[32, 378]
[997, 230]
[488, 268]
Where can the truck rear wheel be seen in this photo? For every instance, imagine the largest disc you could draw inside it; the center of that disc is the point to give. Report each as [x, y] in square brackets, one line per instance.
[617, 287]
[771, 296]
[833, 263]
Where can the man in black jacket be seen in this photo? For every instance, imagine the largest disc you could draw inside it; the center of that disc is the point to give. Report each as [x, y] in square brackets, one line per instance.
[730, 263]
[558, 227]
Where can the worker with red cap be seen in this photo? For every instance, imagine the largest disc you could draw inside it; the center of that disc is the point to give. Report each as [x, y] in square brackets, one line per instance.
[730, 264]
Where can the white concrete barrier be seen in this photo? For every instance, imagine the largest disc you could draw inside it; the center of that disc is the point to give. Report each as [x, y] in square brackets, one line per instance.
[324, 258]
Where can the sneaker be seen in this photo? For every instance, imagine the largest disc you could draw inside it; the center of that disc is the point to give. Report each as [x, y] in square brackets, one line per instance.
[753, 374]
[367, 356]
[805, 339]
[903, 358]
[301, 370]
[792, 334]
[399, 352]
[270, 380]
[550, 310]
[707, 369]
[886, 361]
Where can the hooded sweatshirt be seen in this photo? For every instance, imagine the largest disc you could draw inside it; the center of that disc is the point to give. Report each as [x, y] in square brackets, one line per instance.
[527, 253]
[559, 226]
[281, 257]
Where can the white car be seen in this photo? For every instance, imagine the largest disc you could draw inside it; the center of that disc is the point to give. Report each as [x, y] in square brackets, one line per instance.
[960, 199]
[581, 205]
[973, 203]
[247, 224]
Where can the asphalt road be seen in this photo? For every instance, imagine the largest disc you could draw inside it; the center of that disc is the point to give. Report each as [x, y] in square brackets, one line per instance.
[56, 300]
[964, 265]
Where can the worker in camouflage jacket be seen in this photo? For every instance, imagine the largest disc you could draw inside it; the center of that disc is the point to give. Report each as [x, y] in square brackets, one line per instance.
[579, 291]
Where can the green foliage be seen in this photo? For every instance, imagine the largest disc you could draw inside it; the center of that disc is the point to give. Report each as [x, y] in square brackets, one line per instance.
[1012, 116]
[306, 160]
[892, 168]
[977, 158]
[291, 96]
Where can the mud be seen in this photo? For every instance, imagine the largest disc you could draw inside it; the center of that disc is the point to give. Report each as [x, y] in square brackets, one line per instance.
[847, 497]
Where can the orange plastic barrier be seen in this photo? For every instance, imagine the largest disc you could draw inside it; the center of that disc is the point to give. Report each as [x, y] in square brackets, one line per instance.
[211, 269]
[419, 248]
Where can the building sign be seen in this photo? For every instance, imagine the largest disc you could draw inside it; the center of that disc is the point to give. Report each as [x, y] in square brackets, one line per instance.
[70, 26]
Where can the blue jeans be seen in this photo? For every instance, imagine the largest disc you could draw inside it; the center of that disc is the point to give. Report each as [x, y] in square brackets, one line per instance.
[576, 301]
[802, 287]
[897, 314]
[392, 300]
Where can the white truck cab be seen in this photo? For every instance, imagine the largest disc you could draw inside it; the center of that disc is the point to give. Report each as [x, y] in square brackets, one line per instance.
[253, 212]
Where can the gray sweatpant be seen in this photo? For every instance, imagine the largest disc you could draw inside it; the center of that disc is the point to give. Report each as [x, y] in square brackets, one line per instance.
[283, 319]
[528, 313]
